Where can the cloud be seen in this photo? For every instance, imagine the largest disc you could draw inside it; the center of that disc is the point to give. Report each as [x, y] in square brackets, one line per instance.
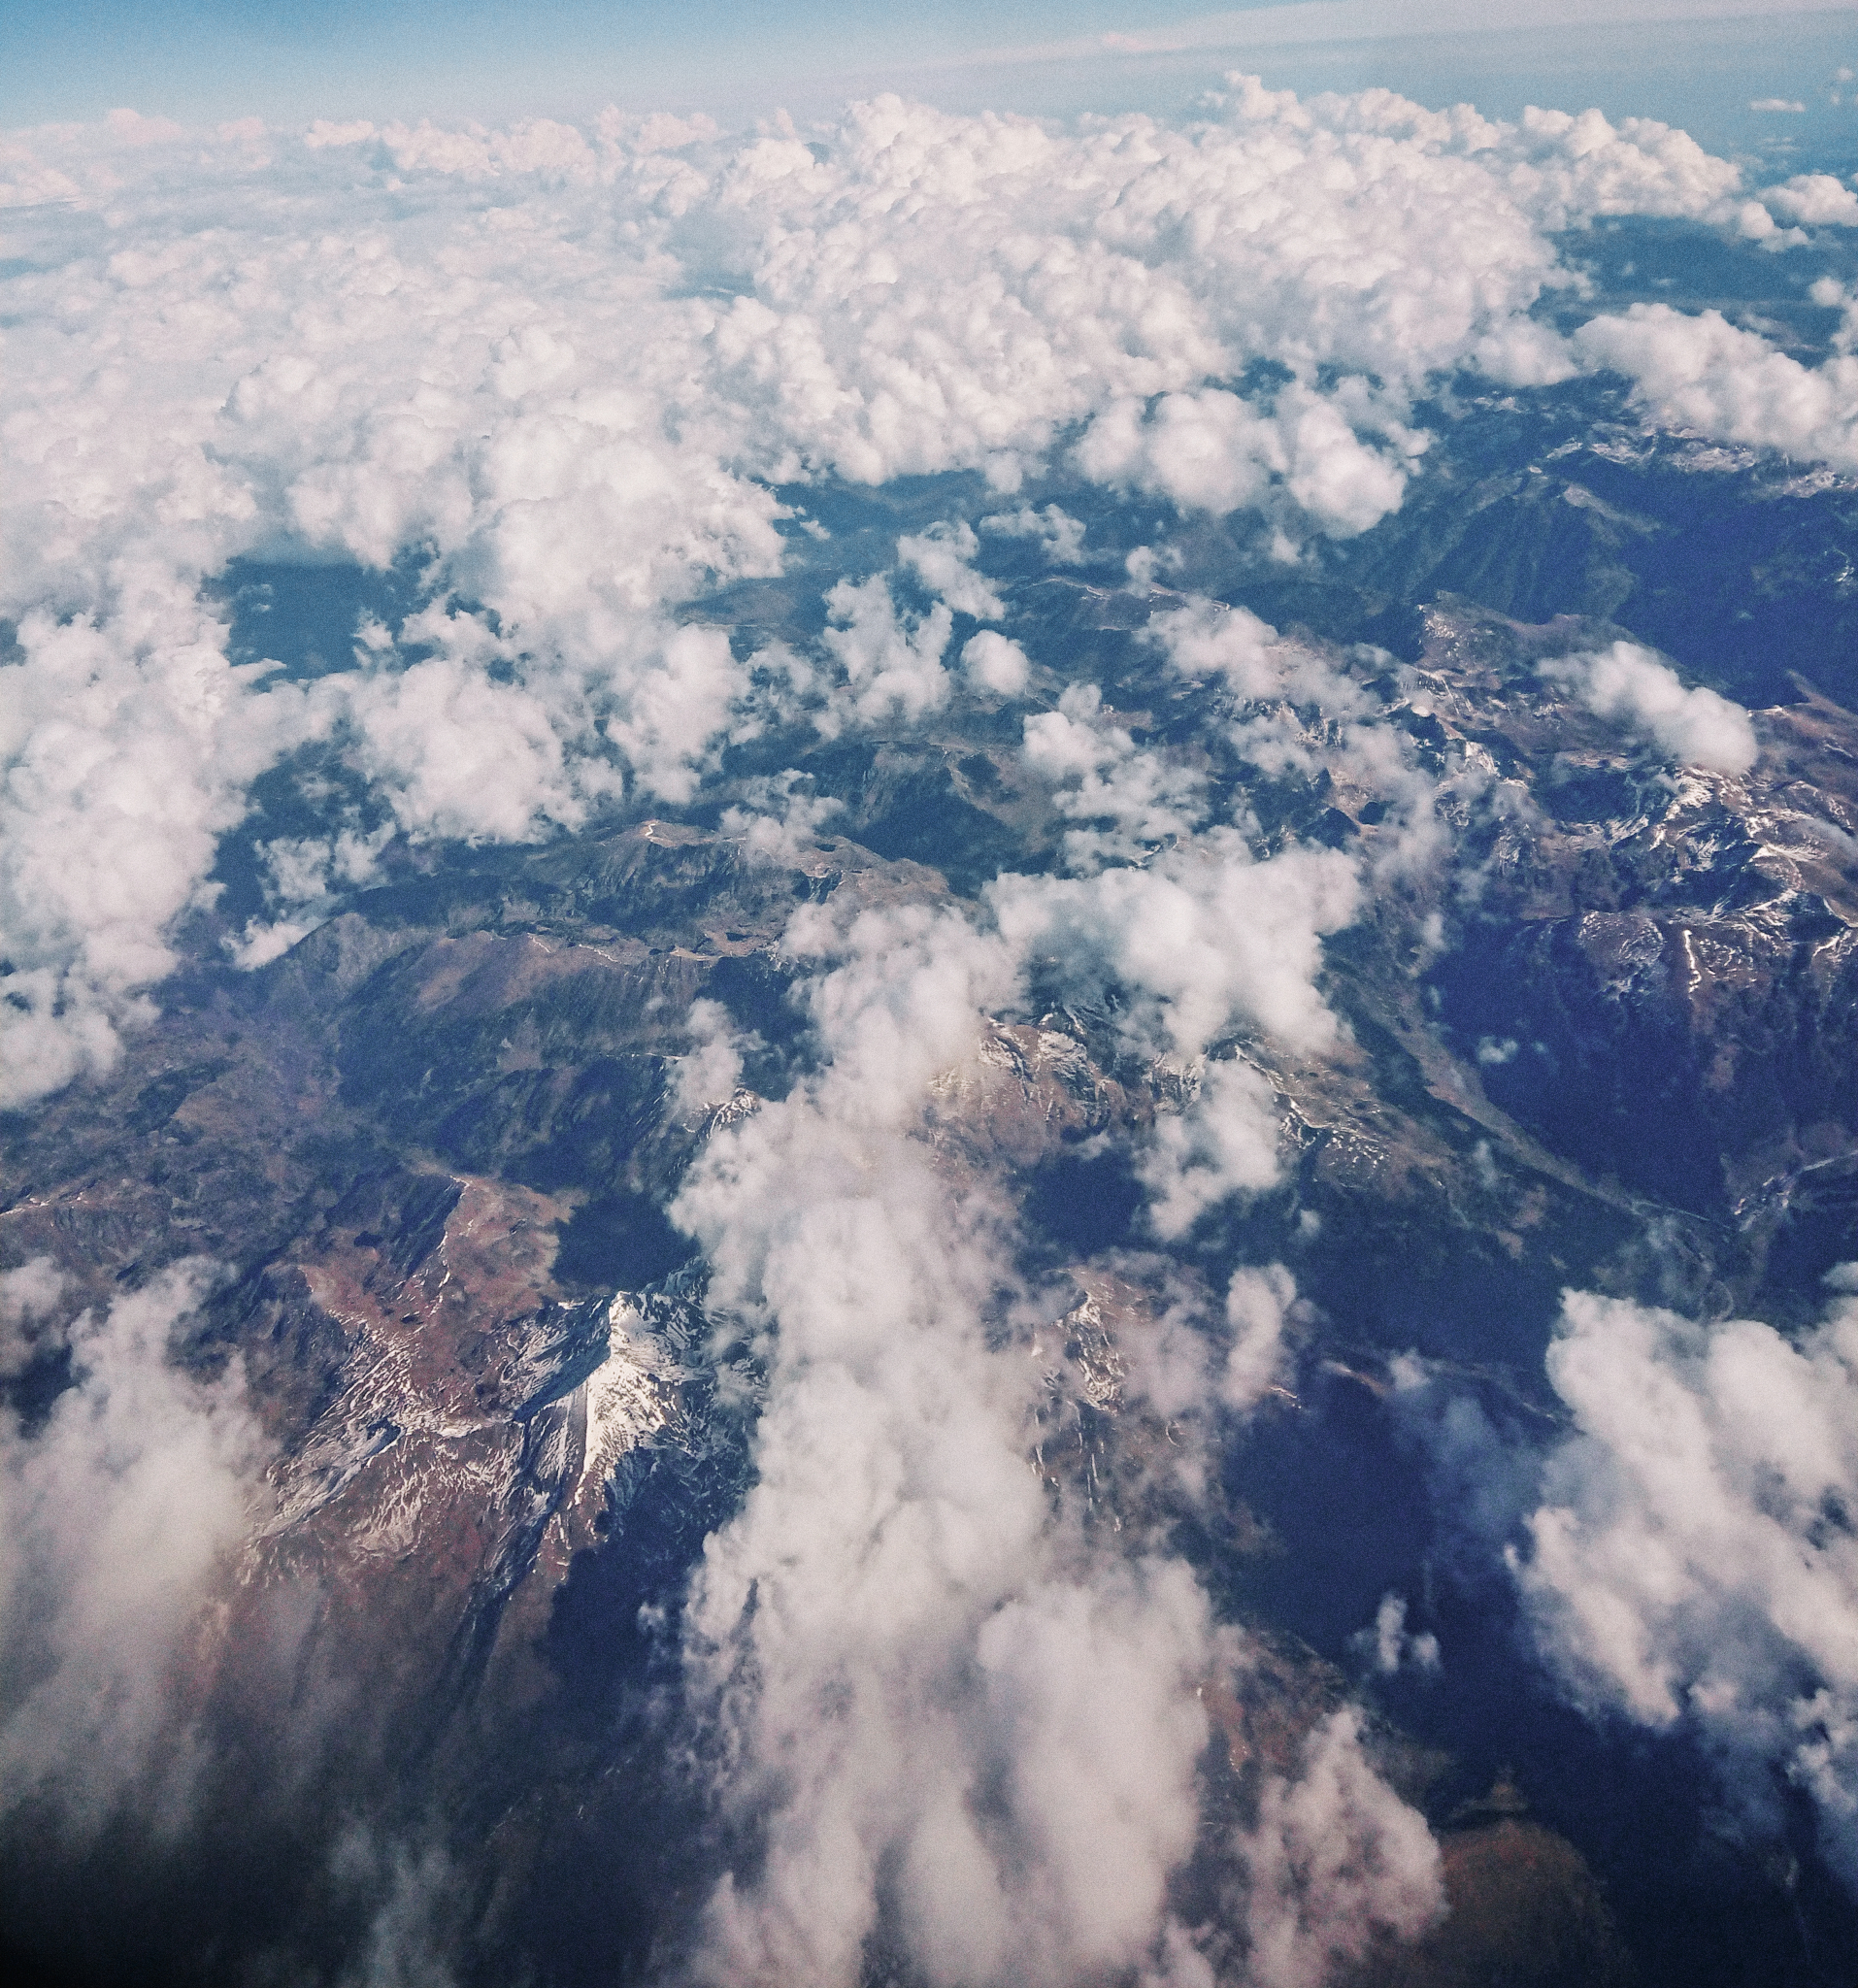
[942, 558]
[1224, 1143]
[709, 1073]
[995, 662]
[951, 1719]
[1046, 279]
[459, 755]
[1484, 1464]
[121, 1509]
[924, 1690]
[1303, 714]
[324, 132]
[1692, 1559]
[1205, 640]
[891, 660]
[1204, 938]
[1059, 535]
[354, 402]
[415, 1910]
[28, 1303]
[127, 754]
[552, 379]
[305, 879]
[1336, 1857]
[1775, 104]
[1704, 374]
[1135, 798]
[1390, 1646]
[1629, 685]
[781, 819]
[1213, 452]
[1259, 1305]
[1814, 200]
[1198, 941]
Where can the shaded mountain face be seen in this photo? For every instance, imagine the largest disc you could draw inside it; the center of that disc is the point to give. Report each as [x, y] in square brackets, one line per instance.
[936, 1158]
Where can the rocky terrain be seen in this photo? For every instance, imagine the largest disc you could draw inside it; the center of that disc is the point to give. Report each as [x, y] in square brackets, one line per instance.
[432, 1152]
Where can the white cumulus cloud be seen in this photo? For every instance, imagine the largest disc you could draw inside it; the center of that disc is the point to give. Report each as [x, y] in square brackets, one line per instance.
[942, 559]
[1629, 685]
[1692, 1558]
[1814, 200]
[1206, 938]
[1259, 1305]
[891, 658]
[995, 662]
[1225, 1142]
[1131, 796]
[1059, 535]
[1704, 374]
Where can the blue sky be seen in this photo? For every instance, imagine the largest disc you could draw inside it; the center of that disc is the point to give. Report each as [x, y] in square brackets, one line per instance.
[1696, 61]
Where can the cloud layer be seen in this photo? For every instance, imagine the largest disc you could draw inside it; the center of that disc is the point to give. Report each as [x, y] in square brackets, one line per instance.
[557, 370]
